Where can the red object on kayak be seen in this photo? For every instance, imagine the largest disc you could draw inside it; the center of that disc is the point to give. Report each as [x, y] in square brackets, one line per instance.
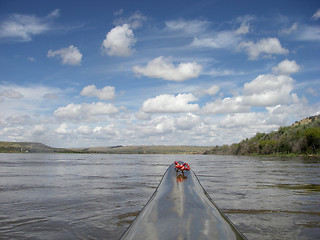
[182, 167]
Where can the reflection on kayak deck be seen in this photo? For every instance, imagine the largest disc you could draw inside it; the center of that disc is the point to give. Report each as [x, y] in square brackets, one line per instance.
[181, 209]
[181, 177]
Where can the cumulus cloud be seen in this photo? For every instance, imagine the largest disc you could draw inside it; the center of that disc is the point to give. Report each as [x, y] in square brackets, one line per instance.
[105, 130]
[23, 27]
[63, 129]
[267, 46]
[84, 130]
[266, 82]
[85, 111]
[119, 41]
[142, 115]
[106, 93]
[268, 90]
[240, 120]
[69, 56]
[37, 131]
[161, 68]
[316, 16]
[158, 125]
[296, 110]
[187, 122]
[226, 105]
[167, 103]
[286, 67]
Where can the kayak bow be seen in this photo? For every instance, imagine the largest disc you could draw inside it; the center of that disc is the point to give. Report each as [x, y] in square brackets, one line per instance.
[180, 208]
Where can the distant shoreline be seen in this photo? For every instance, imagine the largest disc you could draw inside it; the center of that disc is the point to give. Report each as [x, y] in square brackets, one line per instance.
[31, 147]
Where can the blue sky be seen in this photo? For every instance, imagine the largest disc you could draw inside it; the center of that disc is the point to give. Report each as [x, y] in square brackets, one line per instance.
[103, 73]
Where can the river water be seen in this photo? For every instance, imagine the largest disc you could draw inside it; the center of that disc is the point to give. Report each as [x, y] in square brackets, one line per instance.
[96, 196]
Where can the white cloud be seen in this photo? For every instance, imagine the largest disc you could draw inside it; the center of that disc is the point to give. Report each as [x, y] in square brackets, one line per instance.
[158, 125]
[13, 133]
[161, 68]
[106, 93]
[26, 99]
[187, 122]
[286, 67]
[268, 90]
[316, 16]
[69, 56]
[266, 82]
[290, 30]
[85, 111]
[63, 129]
[264, 46]
[84, 130]
[224, 39]
[213, 90]
[142, 115]
[38, 130]
[135, 20]
[55, 13]
[119, 12]
[10, 93]
[240, 120]
[106, 130]
[193, 26]
[226, 105]
[244, 28]
[119, 41]
[19, 119]
[170, 104]
[309, 33]
[23, 27]
[296, 111]
[264, 91]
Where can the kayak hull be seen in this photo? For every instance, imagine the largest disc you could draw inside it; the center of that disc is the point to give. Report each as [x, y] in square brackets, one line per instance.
[180, 208]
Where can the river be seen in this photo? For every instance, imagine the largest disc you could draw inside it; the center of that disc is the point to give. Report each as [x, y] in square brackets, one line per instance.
[96, 196]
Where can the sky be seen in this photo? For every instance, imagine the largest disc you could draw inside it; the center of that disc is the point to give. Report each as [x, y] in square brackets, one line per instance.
[105, 73]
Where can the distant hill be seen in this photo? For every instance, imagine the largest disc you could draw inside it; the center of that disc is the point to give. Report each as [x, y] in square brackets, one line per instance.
[25, 147]
[144, 149]
[301, 138]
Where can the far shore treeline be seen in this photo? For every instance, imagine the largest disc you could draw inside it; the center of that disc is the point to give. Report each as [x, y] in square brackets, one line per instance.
[301, 138]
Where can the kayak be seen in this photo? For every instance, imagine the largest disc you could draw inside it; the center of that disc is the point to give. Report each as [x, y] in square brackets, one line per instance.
[180, 208]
